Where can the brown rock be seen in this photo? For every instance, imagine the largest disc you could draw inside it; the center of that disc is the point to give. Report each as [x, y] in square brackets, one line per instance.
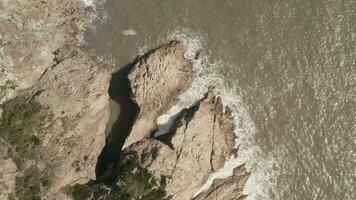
[227, 189]
[157, 79]
[76, 92]
[200, 142]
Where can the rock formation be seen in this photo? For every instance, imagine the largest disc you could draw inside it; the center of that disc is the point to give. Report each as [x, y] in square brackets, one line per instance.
[201, 138]
[55, 103]
[77, 96]
[229, 188]
[198, 145]
[55, 106]
[156, 80]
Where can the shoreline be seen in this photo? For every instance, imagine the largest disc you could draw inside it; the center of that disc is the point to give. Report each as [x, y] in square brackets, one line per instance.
[68, 127]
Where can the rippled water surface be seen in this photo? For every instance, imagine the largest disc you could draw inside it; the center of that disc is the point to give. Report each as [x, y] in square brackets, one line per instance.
[293, 63]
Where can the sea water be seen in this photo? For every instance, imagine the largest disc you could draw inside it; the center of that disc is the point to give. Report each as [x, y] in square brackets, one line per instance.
[287, 69]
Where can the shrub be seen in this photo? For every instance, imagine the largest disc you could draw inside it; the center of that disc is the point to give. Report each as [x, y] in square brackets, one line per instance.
[19, 119]
[134, 182]
[81, 192]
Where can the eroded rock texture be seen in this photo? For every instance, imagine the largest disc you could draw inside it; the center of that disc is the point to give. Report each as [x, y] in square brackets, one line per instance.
[229, 188]
[157, 79]
[197, 146]
[76, 92]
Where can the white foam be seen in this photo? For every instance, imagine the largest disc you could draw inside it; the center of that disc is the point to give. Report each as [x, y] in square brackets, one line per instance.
[99, 16]
[225, 172]
[207, 75]
[88, 2]
[129, 32]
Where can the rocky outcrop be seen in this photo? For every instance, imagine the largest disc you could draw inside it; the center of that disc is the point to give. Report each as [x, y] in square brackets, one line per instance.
[157, 79]
[200, 140]
[77, 96]
[59, 94]
[40, 62]
[198, 145]
[229, 188]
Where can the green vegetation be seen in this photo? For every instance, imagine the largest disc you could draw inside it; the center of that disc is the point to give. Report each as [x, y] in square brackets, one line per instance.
[134, 182]
[29, 186]
[81, 192]
[19, 118]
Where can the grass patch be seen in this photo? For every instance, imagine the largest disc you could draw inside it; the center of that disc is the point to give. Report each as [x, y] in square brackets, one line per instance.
[19, 119]
[134, 182]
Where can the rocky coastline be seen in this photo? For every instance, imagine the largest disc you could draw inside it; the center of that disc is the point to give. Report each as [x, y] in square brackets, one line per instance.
[49, 149]
[201, 138]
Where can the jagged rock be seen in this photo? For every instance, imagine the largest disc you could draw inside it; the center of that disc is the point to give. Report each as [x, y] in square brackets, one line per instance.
[227, 189]
[157, 79]
[77, 96]
[199, 144]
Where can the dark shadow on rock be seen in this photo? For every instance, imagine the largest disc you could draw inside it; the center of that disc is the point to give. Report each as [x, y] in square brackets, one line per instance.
[119, 92]
[176, 121]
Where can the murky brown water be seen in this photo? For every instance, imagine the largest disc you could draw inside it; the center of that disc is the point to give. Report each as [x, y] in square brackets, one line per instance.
[293, 62]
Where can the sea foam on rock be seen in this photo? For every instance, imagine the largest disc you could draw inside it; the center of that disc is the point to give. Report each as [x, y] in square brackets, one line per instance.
[200, 138]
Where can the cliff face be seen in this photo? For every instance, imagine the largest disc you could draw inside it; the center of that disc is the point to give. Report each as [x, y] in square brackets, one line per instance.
[55, 103]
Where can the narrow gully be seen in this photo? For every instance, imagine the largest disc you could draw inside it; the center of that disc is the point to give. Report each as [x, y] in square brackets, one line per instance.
[119, 92]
